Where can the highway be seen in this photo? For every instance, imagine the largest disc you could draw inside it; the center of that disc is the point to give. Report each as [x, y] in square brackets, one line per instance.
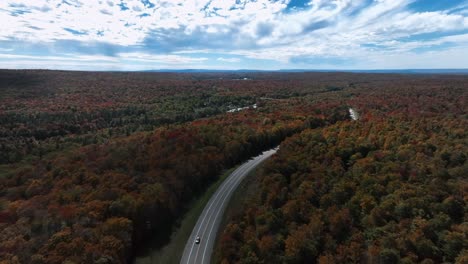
[208, 222]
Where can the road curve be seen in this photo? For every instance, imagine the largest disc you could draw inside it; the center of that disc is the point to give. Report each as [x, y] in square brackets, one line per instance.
[210, 219]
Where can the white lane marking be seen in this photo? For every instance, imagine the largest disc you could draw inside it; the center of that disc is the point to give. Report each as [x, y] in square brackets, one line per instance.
[234, 177]
[221, 207]
[205, 213]
[253, 165]
[212, 201]
[217, 214]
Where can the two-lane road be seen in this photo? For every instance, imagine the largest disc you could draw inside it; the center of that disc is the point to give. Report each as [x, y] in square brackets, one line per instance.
[210, 219]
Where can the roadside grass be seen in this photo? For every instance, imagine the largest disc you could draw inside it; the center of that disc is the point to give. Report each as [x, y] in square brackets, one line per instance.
[172, 252]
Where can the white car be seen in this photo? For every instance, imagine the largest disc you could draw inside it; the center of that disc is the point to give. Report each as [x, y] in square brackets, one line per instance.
[197, 240]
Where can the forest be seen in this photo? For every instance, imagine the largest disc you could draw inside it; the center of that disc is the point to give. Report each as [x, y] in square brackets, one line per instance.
[388, 188]
[94, 164]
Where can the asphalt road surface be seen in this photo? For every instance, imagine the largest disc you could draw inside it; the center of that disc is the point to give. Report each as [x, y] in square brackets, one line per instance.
[210, 219]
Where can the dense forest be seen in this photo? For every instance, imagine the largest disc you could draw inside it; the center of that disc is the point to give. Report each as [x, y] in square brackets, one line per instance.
[93, 164]
[96, 201]
[48, 111]
[388, 188]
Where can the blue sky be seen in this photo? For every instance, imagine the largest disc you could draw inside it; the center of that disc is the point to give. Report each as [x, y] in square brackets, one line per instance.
[237, 34]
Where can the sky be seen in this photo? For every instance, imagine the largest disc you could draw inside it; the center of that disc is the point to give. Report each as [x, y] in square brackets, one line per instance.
[132, 35]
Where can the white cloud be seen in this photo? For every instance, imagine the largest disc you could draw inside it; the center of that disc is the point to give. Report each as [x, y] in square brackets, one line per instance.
[59, 58]
[230, 60]
[172, 32]
[168, 59]
[132, 60]
[449, 58]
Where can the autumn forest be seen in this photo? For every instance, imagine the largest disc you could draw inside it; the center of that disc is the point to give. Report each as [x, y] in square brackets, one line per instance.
[95, 164]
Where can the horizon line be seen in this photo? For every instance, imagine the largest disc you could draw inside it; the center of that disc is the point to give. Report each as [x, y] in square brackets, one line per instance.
[253, 70]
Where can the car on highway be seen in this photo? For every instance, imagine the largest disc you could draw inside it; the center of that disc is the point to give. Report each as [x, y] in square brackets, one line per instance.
[197, 240]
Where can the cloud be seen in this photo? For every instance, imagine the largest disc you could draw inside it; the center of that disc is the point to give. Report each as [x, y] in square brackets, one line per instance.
[57, 58]
[122, 61]
[313, 33]
[74, 32]
[264, 29]
[167, 59]
[230, 60]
